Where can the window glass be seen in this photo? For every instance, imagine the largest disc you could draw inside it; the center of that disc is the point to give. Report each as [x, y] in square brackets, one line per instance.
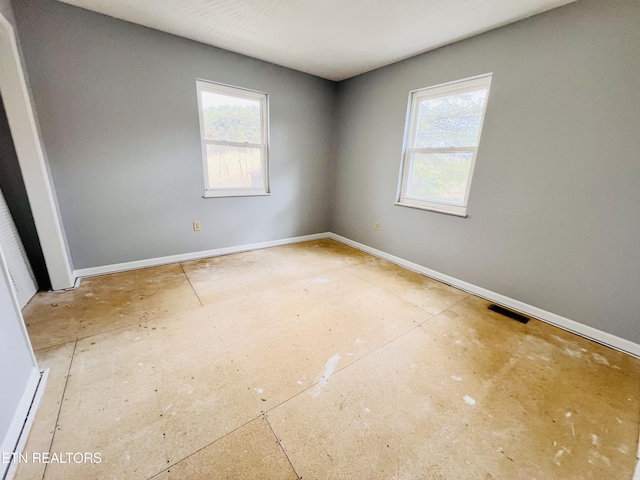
[233, 131]
[441, 144]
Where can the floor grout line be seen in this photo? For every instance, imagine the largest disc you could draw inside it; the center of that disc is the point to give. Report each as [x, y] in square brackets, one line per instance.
[296, 280]
[372, 351]
[159, 317]
[189, 280]
[56, 345]
[77, 339]
[64, 391]
[281, 447]
[466, 294]
[346, 366]
[206, 446]
[366, 355]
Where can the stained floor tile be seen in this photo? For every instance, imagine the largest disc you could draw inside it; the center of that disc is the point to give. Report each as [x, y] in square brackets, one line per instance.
[371, 414]
[537, 425]
[251, 451]
[110, 406]
[429, 294]
[580, 369]
[107, 302]
[588, 352]
[239, 358]
[406, 411]
[229, 276]
[364, 370]
[610, 375]
[206, 379]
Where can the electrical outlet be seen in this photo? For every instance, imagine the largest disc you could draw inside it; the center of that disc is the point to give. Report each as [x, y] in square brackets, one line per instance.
[376, 225]
[196, 226]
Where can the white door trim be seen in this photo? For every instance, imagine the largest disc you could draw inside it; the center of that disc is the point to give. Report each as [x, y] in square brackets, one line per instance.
[35, 173]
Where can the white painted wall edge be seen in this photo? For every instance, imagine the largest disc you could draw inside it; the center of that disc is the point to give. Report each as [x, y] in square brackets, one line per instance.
[12, 438]
[185, 257]
[586, 331]
[28, 423]
[35, 173]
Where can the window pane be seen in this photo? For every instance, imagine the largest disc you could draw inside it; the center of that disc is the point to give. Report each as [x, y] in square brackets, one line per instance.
[234, 167]
[231, 119]
[439, 177]
[452, 121]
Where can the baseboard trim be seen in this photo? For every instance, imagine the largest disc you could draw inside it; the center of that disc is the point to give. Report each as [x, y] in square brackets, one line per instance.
[185, 257]
[586, 331]
[621, 344]
[16, 437]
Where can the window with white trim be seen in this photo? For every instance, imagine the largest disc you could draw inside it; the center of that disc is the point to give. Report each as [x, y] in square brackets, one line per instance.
[234, 136]
[441, 141]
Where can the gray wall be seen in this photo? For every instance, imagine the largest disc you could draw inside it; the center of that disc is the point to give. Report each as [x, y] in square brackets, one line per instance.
[553, 209]
[7, 12]
[118, 114]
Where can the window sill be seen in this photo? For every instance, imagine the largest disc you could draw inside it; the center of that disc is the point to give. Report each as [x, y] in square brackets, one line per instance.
[209, 194]
[433, 209]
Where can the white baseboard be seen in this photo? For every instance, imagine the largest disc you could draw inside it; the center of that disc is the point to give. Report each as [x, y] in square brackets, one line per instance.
[16, 437]
[185, 257]
[586, 331]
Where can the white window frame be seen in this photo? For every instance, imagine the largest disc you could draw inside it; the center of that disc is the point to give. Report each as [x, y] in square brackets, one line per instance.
[237, 92]
[409, 149]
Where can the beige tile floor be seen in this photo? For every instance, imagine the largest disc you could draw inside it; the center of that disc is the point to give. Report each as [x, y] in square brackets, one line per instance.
[316, 360]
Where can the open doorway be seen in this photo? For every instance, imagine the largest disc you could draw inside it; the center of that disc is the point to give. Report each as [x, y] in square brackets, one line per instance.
[24, 254]
[35, 180]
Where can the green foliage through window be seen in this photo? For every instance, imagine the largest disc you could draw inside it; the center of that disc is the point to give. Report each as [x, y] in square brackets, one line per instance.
[439, 177]
[451, 121]
[233, 123]
[233, 127]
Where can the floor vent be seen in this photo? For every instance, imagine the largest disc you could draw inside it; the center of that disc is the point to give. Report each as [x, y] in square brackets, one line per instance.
[508, 313]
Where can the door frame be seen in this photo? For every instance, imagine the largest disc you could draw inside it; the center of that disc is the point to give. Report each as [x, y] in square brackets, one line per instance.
[31, 157]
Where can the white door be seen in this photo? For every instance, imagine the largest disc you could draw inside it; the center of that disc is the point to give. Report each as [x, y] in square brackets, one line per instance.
[20, 273]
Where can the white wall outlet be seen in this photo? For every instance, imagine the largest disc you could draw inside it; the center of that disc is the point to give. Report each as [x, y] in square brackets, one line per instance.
[376, 225]
[196, 226]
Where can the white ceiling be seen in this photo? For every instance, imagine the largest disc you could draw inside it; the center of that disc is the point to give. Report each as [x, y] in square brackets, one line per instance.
[334, 39]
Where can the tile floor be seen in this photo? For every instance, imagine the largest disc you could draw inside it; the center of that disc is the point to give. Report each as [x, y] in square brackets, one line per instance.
[316, 360]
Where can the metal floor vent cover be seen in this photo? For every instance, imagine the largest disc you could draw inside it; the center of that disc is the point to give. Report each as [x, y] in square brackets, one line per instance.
[508, 313]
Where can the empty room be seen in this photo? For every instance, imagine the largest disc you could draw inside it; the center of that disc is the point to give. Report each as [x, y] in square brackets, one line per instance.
[319, 240]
